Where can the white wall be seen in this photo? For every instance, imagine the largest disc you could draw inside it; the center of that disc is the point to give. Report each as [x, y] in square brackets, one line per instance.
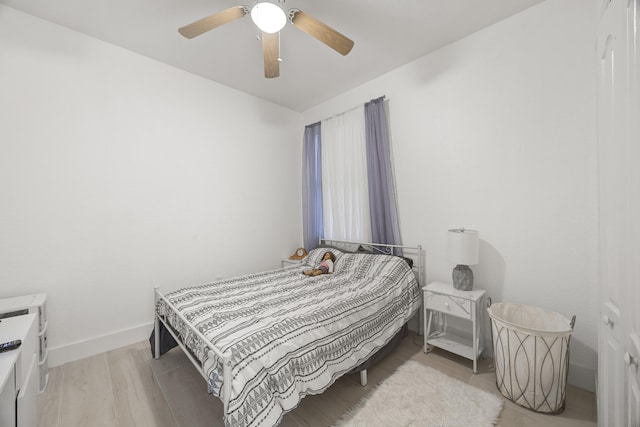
[497, 133]
[119, 173]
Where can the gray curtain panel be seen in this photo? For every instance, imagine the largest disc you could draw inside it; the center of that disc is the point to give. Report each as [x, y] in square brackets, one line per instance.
[312, 219]
[385, 222]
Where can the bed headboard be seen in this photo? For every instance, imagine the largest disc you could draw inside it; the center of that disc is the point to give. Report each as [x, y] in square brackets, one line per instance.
[416, 253]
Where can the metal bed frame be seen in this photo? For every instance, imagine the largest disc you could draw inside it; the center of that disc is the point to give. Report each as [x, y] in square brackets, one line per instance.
[225, 357]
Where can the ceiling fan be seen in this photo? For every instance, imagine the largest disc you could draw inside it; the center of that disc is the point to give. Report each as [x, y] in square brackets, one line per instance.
[270, 19]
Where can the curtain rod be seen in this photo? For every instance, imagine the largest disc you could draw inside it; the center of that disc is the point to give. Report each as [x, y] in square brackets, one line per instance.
[351, 109]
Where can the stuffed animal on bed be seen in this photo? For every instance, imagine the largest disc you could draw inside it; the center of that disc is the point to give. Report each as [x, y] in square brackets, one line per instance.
[325, 267]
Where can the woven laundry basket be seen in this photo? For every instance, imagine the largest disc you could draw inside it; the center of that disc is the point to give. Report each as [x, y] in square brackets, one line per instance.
[531, 351]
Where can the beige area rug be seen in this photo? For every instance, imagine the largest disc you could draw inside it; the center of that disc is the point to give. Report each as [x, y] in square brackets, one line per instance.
[419, 396]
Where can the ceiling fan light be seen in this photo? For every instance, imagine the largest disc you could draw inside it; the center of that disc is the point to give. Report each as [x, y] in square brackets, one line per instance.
[270, 18]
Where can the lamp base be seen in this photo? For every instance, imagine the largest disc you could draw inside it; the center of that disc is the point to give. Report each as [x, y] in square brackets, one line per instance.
[462, 278]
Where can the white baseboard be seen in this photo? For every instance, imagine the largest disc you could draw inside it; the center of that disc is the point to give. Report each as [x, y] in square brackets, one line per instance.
[92, 346]
[582, 376]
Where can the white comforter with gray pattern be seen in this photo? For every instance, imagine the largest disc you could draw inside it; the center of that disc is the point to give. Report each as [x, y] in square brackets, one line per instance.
[291, 335]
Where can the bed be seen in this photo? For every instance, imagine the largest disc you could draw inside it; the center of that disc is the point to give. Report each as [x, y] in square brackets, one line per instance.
[263, 341]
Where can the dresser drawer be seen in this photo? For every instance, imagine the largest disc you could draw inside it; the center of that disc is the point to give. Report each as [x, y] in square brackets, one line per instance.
[448, 304]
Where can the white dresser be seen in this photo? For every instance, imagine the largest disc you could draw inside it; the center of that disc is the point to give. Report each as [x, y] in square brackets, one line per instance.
[19, 372]
[34, 304]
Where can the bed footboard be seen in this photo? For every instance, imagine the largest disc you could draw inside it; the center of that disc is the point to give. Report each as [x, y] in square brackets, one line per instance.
[156, 331]
[206, 345]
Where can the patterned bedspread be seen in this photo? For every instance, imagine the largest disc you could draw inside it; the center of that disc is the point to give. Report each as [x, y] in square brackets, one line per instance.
[291, 335]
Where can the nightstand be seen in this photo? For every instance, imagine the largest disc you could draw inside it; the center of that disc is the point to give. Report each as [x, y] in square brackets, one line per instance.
[286, 262]
[442, 298]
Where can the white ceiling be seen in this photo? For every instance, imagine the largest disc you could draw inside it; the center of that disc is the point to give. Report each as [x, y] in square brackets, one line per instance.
[387, 34]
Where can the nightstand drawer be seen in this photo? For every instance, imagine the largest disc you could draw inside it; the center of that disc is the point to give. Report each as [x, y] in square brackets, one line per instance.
[448, 304]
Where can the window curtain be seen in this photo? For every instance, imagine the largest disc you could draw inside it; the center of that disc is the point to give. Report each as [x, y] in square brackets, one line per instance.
[385, 224]
[345, 194]
[312, 218]
[349, 190]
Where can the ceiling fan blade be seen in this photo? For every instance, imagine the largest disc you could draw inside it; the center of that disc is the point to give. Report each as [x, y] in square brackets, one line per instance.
[209, 23]
[321, 31]
[271, 51]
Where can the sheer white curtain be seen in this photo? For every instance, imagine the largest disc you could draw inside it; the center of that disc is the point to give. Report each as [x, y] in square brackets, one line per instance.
[345, 194]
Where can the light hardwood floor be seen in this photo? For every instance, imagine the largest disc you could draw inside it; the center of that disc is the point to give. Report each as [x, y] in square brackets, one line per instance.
[126, 387]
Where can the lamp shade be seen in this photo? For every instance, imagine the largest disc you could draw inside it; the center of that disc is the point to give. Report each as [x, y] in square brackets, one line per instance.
[463, 246]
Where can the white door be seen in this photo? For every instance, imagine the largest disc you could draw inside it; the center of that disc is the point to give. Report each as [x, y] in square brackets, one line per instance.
[632, 339]
[619, 209]
[611, 191]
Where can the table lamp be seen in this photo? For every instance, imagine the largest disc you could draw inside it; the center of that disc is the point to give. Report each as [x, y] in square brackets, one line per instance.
[463, 251]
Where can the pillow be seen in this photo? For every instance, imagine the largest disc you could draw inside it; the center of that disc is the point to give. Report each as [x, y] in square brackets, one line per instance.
[328, 246]
[408, 261]
[370, 250]
[315, 256]
[341, 246]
